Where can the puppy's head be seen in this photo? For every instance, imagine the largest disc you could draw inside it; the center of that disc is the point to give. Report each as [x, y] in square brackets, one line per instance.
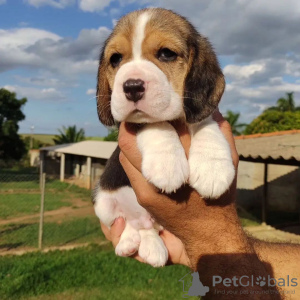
[155, 67]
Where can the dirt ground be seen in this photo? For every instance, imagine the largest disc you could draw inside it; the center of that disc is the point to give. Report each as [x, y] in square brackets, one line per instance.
[79, 208]
[82, 208]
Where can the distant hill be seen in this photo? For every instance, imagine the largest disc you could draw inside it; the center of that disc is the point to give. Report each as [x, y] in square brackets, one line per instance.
[47, 139]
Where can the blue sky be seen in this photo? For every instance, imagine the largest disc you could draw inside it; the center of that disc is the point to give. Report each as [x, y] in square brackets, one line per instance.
[49, 51]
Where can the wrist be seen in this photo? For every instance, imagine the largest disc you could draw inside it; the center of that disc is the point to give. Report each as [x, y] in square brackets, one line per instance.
[221, 233]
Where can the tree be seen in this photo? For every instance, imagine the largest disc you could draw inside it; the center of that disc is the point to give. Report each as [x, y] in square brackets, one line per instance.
[232, 118]
[11, 144]
[69, 135]
[271, 121]
[285, 104]
[112, 136]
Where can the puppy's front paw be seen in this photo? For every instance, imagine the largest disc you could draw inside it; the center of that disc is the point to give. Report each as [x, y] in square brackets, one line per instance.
[211, 178]
[153, 250]
[168, 171]
[129, 245]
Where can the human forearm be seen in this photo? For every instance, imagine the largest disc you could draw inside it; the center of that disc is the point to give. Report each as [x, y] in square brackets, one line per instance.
[220, 250]
[285, 262]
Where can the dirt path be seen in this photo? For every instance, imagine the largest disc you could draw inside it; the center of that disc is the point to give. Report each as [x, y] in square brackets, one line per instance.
[79, 208]
[48, 249]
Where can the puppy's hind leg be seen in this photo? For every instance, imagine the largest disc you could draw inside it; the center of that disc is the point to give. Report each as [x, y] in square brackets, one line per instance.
[152, 248]
[106, 207]
[129, 241]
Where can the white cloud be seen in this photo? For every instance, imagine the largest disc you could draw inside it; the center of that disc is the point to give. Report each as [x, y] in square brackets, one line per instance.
[91, 92]
[31, 93]
[252, 100]
[93, 5]
[39, 49]
[23, 24]
[239, 72]
[53, 3]
[24, 37]
[2, 2]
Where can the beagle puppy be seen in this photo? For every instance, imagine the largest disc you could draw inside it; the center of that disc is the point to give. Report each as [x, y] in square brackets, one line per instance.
[154, 68]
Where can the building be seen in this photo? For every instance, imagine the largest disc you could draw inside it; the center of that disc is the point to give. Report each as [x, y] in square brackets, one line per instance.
[269, 173]
[268, 176]
[81, 162]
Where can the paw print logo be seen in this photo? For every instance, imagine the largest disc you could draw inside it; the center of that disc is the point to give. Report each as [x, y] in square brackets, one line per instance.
[261, 281]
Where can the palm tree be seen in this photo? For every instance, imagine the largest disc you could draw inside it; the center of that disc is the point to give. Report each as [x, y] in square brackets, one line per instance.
[69, 135]
[112, 136]
[232, 118]
[285, 104]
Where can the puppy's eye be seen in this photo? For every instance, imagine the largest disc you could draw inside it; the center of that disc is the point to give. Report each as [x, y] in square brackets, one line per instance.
[115, 59]
[166, 55]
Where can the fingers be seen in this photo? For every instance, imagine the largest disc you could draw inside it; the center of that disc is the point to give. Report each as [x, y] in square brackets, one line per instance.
[226, 130]
[141, 186]
[184, 134]
[114, 233]
[105, 231]
[128, 144]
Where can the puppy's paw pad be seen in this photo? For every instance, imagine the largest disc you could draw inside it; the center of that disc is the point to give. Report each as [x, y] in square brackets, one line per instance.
[167, 171]
[211, 178]
[128, 246]
[153, 251]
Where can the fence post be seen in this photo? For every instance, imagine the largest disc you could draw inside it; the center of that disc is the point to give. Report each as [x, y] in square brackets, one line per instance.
[43, 181]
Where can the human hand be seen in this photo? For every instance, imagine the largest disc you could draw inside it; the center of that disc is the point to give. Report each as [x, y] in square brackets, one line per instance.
[189, 220]
[176, 251]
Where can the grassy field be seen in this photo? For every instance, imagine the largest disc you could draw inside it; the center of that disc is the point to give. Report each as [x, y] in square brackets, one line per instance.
[72, 231]
[90, 273]
[44, 138]
[19, 198]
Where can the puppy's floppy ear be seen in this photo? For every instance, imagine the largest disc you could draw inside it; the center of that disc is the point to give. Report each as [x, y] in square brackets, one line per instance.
[204, 83]
[104, 93]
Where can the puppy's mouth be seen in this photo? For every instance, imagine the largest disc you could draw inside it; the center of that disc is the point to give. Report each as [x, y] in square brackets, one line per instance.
[139, 116]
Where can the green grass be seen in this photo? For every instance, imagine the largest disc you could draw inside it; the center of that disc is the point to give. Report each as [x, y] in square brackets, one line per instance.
[87, 273]
[73, 231]
[16, 205]
[15, 182]
[23, 197]
[247, 219]
[44, 138]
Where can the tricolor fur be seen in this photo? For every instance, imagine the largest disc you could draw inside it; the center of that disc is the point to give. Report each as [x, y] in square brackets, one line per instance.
[154, 68]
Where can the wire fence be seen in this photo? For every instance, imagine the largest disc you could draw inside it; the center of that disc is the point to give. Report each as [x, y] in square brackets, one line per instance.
[65, 217]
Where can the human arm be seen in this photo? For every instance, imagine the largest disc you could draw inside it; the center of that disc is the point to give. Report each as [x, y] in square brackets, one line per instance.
[212, 239]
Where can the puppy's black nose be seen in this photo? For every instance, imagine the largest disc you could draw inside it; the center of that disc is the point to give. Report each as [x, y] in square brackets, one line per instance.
[134, 89]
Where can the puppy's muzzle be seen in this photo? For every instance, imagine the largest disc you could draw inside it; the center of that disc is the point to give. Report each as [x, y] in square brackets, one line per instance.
[134, 89]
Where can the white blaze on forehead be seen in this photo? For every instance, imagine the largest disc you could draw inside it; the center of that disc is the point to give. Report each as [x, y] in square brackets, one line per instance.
[139, 35]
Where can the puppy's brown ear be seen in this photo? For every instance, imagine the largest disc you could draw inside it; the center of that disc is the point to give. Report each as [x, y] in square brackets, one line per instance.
[204, 83]
[104, 94]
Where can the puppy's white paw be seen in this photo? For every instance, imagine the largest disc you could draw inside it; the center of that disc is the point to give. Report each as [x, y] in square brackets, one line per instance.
[168, 171]
[129, 245]
[153, 250]
[211, 178]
